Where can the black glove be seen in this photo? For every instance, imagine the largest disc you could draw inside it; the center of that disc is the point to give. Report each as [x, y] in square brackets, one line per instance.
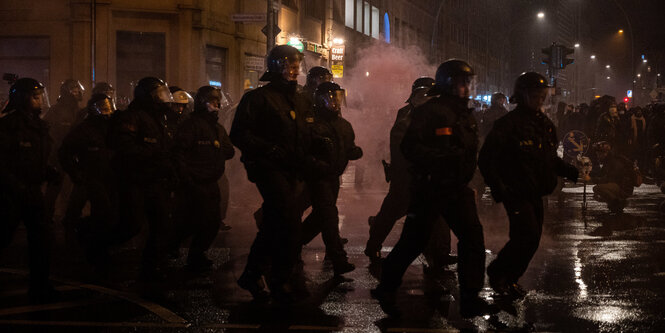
[53, 175]
[355, 153]
[572, 173]
[276, 154]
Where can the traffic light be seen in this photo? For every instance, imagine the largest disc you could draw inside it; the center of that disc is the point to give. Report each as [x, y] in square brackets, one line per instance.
[557, 56]
[626, 100]
[564, 52]
[549, 61]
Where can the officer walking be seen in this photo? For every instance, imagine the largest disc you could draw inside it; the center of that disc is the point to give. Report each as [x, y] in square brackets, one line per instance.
[85, 156]
[441, 143]
[396, 202]
[25, 146]
[269, 129]
[201, 149]
[520, 164]
[333, 146]
[145, 166]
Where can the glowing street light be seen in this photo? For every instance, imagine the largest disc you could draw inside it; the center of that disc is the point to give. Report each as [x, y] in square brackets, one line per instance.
[541, 15]
[639, 75]
[608, 66]
[577, 44]
[620, 31]
[644, 61]
[608, 77]
[593, 56]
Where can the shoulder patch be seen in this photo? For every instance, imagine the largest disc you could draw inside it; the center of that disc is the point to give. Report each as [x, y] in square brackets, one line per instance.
[443, 131]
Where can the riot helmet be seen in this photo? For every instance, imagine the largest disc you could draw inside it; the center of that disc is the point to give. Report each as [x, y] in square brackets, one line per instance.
[27, 94]
[208, 99]
[317, 75]
[498, 99]
[329, 96]
[152, 89]
[530, 90]
[72, 88]
[181, 101]
[283, 63]
[419, 89]
[453, 77]
[104, 88]
[101, 105]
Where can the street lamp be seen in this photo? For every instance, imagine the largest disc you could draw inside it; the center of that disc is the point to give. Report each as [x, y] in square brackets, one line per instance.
[541, 15]
[593, 56]
[608, 66]
[620, 31]
[577, 45]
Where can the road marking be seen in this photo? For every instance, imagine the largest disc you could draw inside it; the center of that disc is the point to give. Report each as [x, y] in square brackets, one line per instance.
[159, 310]
[91, 324]
[315, 328]
[252, 326]
[422, 330]
[52, 306]
[25, 291]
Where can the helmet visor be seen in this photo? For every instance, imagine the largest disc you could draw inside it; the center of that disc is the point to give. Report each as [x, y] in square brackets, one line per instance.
[335, 100]
[105, 107]
[162, 94]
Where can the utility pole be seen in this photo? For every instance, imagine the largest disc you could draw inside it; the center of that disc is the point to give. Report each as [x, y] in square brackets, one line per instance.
[271, 29]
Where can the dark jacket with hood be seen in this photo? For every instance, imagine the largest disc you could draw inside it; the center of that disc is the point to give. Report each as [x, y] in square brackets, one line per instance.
[141, 137]
[270, 129]
[332, 143]
[519, 157]
[201, 148]
[442, 142]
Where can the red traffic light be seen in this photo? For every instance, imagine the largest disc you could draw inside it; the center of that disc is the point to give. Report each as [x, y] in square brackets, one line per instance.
[626, 99]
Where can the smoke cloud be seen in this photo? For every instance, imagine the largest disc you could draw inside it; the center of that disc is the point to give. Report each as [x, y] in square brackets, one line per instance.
[377, 86]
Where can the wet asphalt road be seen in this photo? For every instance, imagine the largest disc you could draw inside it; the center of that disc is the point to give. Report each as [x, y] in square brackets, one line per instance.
[594, 272]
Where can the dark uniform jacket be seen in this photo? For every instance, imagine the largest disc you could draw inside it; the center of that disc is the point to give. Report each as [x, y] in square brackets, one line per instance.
[607, 129]
[615, 168]
[270, 129]
[84, 153]
[62, 117]
[519, 158]
[398, 163]
[333, 144]
[490, 116]
[25, 146]
[142, 141]
[201, 148]
[442, 141]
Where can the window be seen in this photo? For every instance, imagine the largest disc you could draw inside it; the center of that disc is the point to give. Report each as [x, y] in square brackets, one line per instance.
[366, 15]
[359, 15]
[338, 11]
[348, 13]
[138, 54]
[290, 3]
[375, 22]
[26, 57]
[315, 9]
[216, 66]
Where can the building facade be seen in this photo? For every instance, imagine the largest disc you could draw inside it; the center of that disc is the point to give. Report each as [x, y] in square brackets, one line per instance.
[190, 43]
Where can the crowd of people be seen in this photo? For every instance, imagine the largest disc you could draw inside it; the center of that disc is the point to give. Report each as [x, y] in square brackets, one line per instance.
[159, 163]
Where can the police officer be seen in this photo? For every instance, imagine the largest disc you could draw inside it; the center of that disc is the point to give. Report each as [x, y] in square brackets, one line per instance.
[615, 178]
[201, 149]
[396, 202]
[315, 76]
[520, 164]
[62, 117]
[99, 88]
[142, 141]
[269, 129]
[25, 146]
[441, 144]
[333, 146]
[496, 110]
[85, 156]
